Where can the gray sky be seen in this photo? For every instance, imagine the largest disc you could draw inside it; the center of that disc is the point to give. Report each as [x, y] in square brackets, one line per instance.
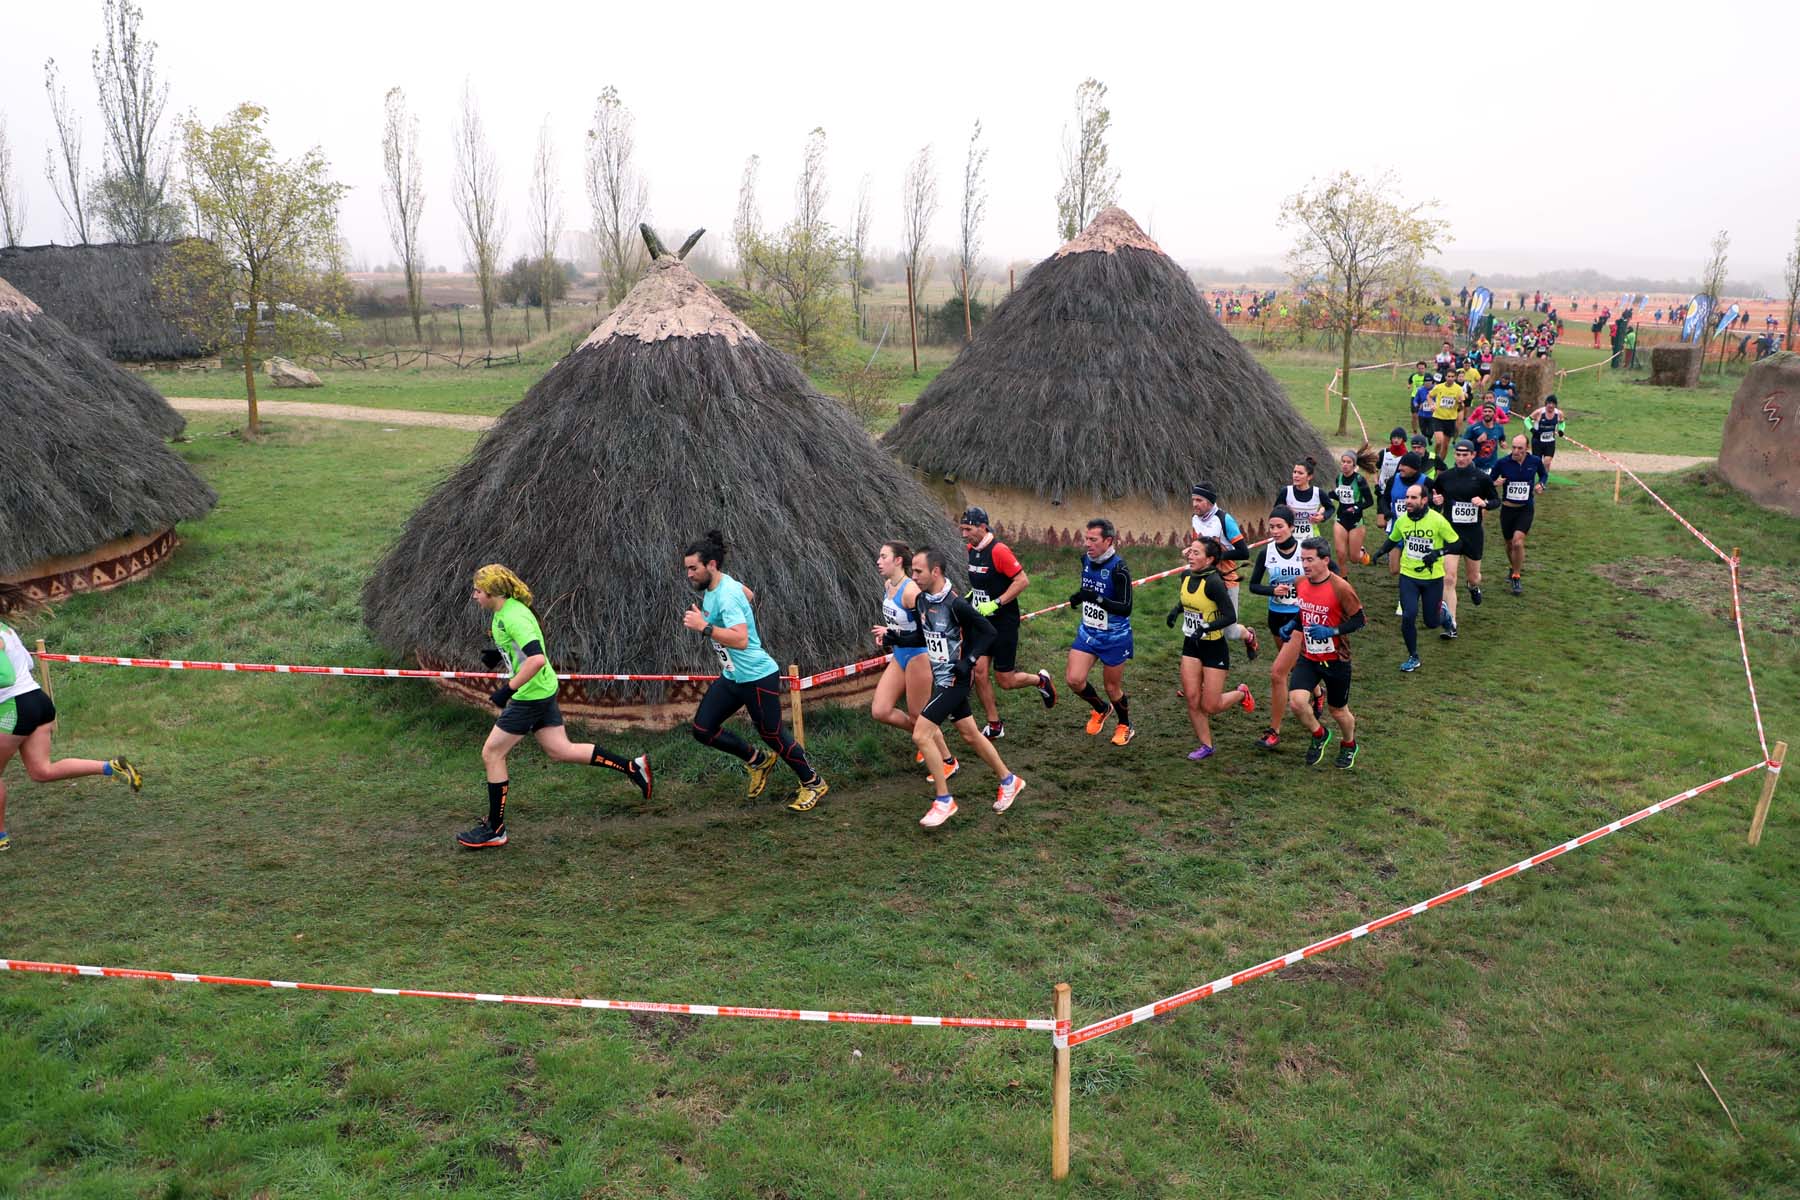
[1548, 135]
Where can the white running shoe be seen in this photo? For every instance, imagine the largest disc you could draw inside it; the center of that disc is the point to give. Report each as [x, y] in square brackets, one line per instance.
[939, 812]
[1008, 793]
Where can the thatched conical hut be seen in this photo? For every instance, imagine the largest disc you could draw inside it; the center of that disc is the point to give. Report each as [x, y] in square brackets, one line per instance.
[1103, 386]
[671, 419]
[89, 492]
[106, 294]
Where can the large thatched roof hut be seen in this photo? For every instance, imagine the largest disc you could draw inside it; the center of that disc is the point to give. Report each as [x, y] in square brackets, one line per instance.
[89, 492]
[106, 294]
[1103, 386]
[671, 419]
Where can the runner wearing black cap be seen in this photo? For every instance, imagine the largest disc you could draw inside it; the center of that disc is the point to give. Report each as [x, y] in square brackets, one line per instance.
[1463, 494]
[996, 578]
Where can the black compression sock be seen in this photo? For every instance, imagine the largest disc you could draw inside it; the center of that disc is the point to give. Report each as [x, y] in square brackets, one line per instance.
[1086, 692]
[602, 759]
[1123, 704]
[497, 804]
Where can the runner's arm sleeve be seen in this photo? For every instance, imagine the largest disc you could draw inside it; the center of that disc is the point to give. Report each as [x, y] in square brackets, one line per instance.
[1220, 595]
[978, 633]
[1256, 577]
[1117, 600]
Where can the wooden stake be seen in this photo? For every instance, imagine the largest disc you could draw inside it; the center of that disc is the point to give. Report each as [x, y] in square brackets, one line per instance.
[1768, 792]
[912, 318]
[44, 676]
[794, 691]
[1059, 1089]
[1009, 281]
[968, 323]
[1618, 477]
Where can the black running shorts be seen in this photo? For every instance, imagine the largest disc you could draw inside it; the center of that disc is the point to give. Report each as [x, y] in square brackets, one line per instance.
[1515, 520]
[529, 716]
[26, 713]
[1309, 673]
[1470, 539]
[1005, 650]
[1212, 652]
[948, 704]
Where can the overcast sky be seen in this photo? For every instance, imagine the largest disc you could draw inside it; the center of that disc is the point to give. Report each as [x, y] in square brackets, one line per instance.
[1619, 136]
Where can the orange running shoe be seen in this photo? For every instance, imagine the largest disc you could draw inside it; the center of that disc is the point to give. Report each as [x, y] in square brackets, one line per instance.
[1098, 719]
[1122, 734]
[1248, 701]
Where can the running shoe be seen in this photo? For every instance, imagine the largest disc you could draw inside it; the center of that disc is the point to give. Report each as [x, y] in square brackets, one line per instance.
[918, 756]
[809, 794]
[1475, 596]
[995, 731]
[483, 838]
[941, 810]
[1250, 646]
[1411, 664]
[1346, 756]
[1096, 720]
[1200, 753]
[1318, 703]
[1003, 799]
[1365, 560]
[1399, 610]
[5, 841]
[1046, 689]
[951, 767]
[760, 767]
[1321, 741]
[1449, 619]
[1123, 734]
[639, 770]
[1269, 739]
[1518, 586]
[1247, 702]
[124, 770]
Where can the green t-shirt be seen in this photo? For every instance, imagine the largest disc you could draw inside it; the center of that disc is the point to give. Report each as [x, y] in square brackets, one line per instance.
[514, 628]
[1415, 535]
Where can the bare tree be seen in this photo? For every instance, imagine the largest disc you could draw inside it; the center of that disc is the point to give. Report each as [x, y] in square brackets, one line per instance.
[802, 270]
[618, 196]
[67, 178]
[546, 214]
[857, 261]
[477, 197]
[12, 200]
[403, 199]
[133, 198]
[974, 208]
[1089, 181]
[918, 207]
[746, 225]
[1354, 246]
[1790, 276]
[1712, 283]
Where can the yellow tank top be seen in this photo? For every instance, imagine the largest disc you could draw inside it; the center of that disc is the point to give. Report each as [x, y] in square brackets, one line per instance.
[1197, 606]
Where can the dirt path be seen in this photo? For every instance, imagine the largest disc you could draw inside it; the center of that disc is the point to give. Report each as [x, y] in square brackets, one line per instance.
[1568, 460]
[337, 412]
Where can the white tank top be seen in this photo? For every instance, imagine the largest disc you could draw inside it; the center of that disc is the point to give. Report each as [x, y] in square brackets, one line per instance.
[1306, 512]
[22, 664]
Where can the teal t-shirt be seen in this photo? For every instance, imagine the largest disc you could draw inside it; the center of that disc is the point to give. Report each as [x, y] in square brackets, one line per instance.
[514, 628]
[725, 605]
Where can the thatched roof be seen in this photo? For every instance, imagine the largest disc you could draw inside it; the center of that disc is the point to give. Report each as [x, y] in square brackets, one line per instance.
[80, 463]
[672, 419]
[1103, 376]
[106, 294]
[80, 367]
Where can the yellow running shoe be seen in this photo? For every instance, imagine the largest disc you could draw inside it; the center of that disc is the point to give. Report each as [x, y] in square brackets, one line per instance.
[124, 770]
[760, 767]
[1096, 720]
[809, 794]
[1122, 734]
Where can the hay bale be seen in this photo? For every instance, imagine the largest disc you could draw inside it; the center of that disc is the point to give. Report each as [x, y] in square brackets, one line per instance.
[1533, 379]
[1760, 454]
[1675, 366]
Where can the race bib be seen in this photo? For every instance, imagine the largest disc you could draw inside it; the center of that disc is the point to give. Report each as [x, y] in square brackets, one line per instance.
[1321, 645]
[1417, 544]
[937, 647]
[1303, 526]
[1400, 506]
[1546, 436]
[1518, 491]
[1093, 616]
[1462, 512]
[977, 596]
[723, 655]
[1191, 623]
[1346, 495]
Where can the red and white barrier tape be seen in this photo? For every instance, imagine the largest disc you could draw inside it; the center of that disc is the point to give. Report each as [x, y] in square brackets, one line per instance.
[1036, 1024]
[1331, 389]
[1685, 523]
[1088, 1033]
[1578, 370]
[1737, 619]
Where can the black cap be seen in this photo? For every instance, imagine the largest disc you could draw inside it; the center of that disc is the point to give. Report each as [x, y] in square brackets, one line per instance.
[974, 515]
[1205, 490]
[1465, 444]
[1418, 439]
[1398, 431]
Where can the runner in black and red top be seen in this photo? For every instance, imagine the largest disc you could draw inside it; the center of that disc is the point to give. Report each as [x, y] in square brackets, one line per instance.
[996, 578]
[1329, 614]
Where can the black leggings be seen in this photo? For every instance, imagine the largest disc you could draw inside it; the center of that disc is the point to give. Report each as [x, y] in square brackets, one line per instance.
[762, 699]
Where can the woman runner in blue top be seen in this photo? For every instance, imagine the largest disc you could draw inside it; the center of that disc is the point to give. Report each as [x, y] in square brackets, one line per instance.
[1276, 572]
[908, 672]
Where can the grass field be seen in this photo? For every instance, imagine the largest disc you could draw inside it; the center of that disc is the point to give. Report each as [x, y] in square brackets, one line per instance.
[1538, 1039]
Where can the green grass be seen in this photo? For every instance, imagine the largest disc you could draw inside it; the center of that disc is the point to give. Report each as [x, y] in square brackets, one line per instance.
[1537, 1039]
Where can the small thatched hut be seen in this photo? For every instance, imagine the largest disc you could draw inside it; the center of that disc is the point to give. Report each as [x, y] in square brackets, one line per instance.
[106, 294]
[1104, 386]
[89, 492]
[671, 419]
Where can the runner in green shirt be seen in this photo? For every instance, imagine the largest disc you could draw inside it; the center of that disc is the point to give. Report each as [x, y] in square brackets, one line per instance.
[527, 702]
[1424, 537]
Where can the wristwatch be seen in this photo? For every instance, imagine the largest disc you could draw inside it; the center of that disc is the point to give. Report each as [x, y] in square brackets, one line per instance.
[707, 632]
